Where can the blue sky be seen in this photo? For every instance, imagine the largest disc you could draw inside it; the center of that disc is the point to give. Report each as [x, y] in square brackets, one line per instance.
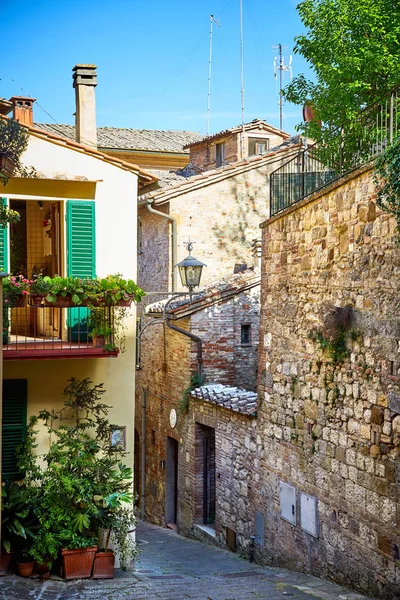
[152, 59]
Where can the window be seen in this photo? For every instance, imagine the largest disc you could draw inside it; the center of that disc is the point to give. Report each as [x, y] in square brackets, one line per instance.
[220, 154]
[246, 335]
[258, 145]
[14, 424]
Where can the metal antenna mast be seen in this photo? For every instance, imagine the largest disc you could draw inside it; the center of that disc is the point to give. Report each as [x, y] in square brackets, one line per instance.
[242, 77]
[279, 65]
[212, 20]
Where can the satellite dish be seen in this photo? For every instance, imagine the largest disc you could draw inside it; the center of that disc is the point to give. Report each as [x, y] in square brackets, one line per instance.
[309, 114]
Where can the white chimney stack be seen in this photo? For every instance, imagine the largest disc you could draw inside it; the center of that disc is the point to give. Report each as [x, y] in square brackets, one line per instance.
[85, 80]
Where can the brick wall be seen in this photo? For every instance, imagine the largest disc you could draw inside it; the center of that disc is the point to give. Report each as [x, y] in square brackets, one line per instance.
[169, 360]
[203, 156]
[226, 359]
[332, 430]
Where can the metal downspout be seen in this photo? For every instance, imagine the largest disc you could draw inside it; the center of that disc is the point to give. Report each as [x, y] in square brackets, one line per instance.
[143, 493]
[196, 339]
[174, 242]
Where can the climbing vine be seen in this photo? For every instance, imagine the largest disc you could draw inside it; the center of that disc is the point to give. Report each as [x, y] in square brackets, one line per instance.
[387, 180]
[195, 382]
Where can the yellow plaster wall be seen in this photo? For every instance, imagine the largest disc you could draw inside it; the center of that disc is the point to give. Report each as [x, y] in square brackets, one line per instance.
[115, 208]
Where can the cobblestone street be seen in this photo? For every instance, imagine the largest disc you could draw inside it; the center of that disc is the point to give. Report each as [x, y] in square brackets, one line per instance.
[171, 567]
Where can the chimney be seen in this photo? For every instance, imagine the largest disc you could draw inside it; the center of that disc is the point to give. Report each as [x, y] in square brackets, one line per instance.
[23, 109]
[85, 80]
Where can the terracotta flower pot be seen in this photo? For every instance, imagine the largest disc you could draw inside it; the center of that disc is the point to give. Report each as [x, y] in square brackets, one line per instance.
[5, 559]
[103, 567]
[25, 569]
[35, 299]
[99, 341]
[21, 302]
[78, 564]
[41, 569]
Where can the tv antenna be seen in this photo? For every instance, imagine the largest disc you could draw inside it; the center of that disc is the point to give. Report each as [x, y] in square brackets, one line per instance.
[212, 20]
[279, 65]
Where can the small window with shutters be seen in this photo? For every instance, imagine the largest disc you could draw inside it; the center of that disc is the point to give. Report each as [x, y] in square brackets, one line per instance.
[3, 244]
[14, 424]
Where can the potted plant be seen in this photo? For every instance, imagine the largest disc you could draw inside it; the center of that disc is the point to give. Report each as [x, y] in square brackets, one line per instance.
[67, 292]
[114, 290]
[25, 564]
[100, 329]
[18, 522]
[39, 288]
[83, 482]
[15, 291]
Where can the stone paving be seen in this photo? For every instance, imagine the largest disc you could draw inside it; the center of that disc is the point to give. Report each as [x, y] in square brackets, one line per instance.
[171, 567]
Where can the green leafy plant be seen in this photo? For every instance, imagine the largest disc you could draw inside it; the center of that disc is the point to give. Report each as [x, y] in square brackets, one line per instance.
[13, 143]
[195, 382]
[18, 522]
[337, 326]
[40, 285]
[14, 287]
[387, 180]
[84, 482]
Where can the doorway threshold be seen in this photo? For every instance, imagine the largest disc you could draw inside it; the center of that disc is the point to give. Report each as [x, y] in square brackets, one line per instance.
[208, 529]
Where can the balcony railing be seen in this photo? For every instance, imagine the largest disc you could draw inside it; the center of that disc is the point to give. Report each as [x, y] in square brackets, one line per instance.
[52, 332]
[355, 143]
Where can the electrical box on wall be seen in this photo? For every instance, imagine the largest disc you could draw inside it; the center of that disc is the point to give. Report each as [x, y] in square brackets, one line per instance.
[287, 500]
[309, 514]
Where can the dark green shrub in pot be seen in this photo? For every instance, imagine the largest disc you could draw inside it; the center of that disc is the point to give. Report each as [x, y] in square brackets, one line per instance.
[84, 479]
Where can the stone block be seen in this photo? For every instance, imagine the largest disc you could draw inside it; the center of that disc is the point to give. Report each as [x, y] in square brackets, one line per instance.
[394, 401]
[377, 415]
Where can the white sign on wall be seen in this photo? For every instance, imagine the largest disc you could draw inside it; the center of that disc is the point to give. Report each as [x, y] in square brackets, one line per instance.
[287, 500]
[309, 514]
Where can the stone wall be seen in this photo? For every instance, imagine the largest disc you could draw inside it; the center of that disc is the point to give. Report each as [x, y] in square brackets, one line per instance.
[331, 429]
[221, 215]
[165, 373]
[235, 442]
[226, 359]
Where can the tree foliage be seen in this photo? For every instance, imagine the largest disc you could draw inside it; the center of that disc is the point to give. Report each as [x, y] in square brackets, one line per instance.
[353, 48]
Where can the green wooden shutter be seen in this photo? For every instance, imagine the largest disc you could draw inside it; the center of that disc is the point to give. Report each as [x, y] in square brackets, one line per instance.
[81, 259]
[14, 424]
[81, 242]
[3, 244]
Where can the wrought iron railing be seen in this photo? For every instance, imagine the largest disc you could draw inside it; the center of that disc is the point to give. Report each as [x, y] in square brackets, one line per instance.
[355, 143]
[52, 331]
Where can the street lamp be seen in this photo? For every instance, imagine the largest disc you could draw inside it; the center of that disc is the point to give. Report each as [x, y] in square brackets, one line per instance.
[190, 270]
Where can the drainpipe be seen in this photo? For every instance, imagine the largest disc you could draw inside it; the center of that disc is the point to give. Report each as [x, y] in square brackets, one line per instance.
[144, 397]
[174, 241]
[196, 339]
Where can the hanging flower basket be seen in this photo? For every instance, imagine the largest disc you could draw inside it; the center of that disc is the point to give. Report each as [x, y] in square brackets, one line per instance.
[78, 564]
[61, 302]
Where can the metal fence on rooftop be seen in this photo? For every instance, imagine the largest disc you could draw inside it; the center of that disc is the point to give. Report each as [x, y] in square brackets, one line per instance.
[355, 143]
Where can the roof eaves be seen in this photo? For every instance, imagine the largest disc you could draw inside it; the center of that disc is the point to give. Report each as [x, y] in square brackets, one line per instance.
[166, 193]
[144, 176]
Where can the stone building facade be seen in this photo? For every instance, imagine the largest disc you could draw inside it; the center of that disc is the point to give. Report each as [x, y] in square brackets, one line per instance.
[225, 317]
[328, 476]
[234, 144]
[219, 210]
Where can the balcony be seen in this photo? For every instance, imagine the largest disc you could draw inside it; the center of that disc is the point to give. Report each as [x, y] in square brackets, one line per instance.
[52, 332]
